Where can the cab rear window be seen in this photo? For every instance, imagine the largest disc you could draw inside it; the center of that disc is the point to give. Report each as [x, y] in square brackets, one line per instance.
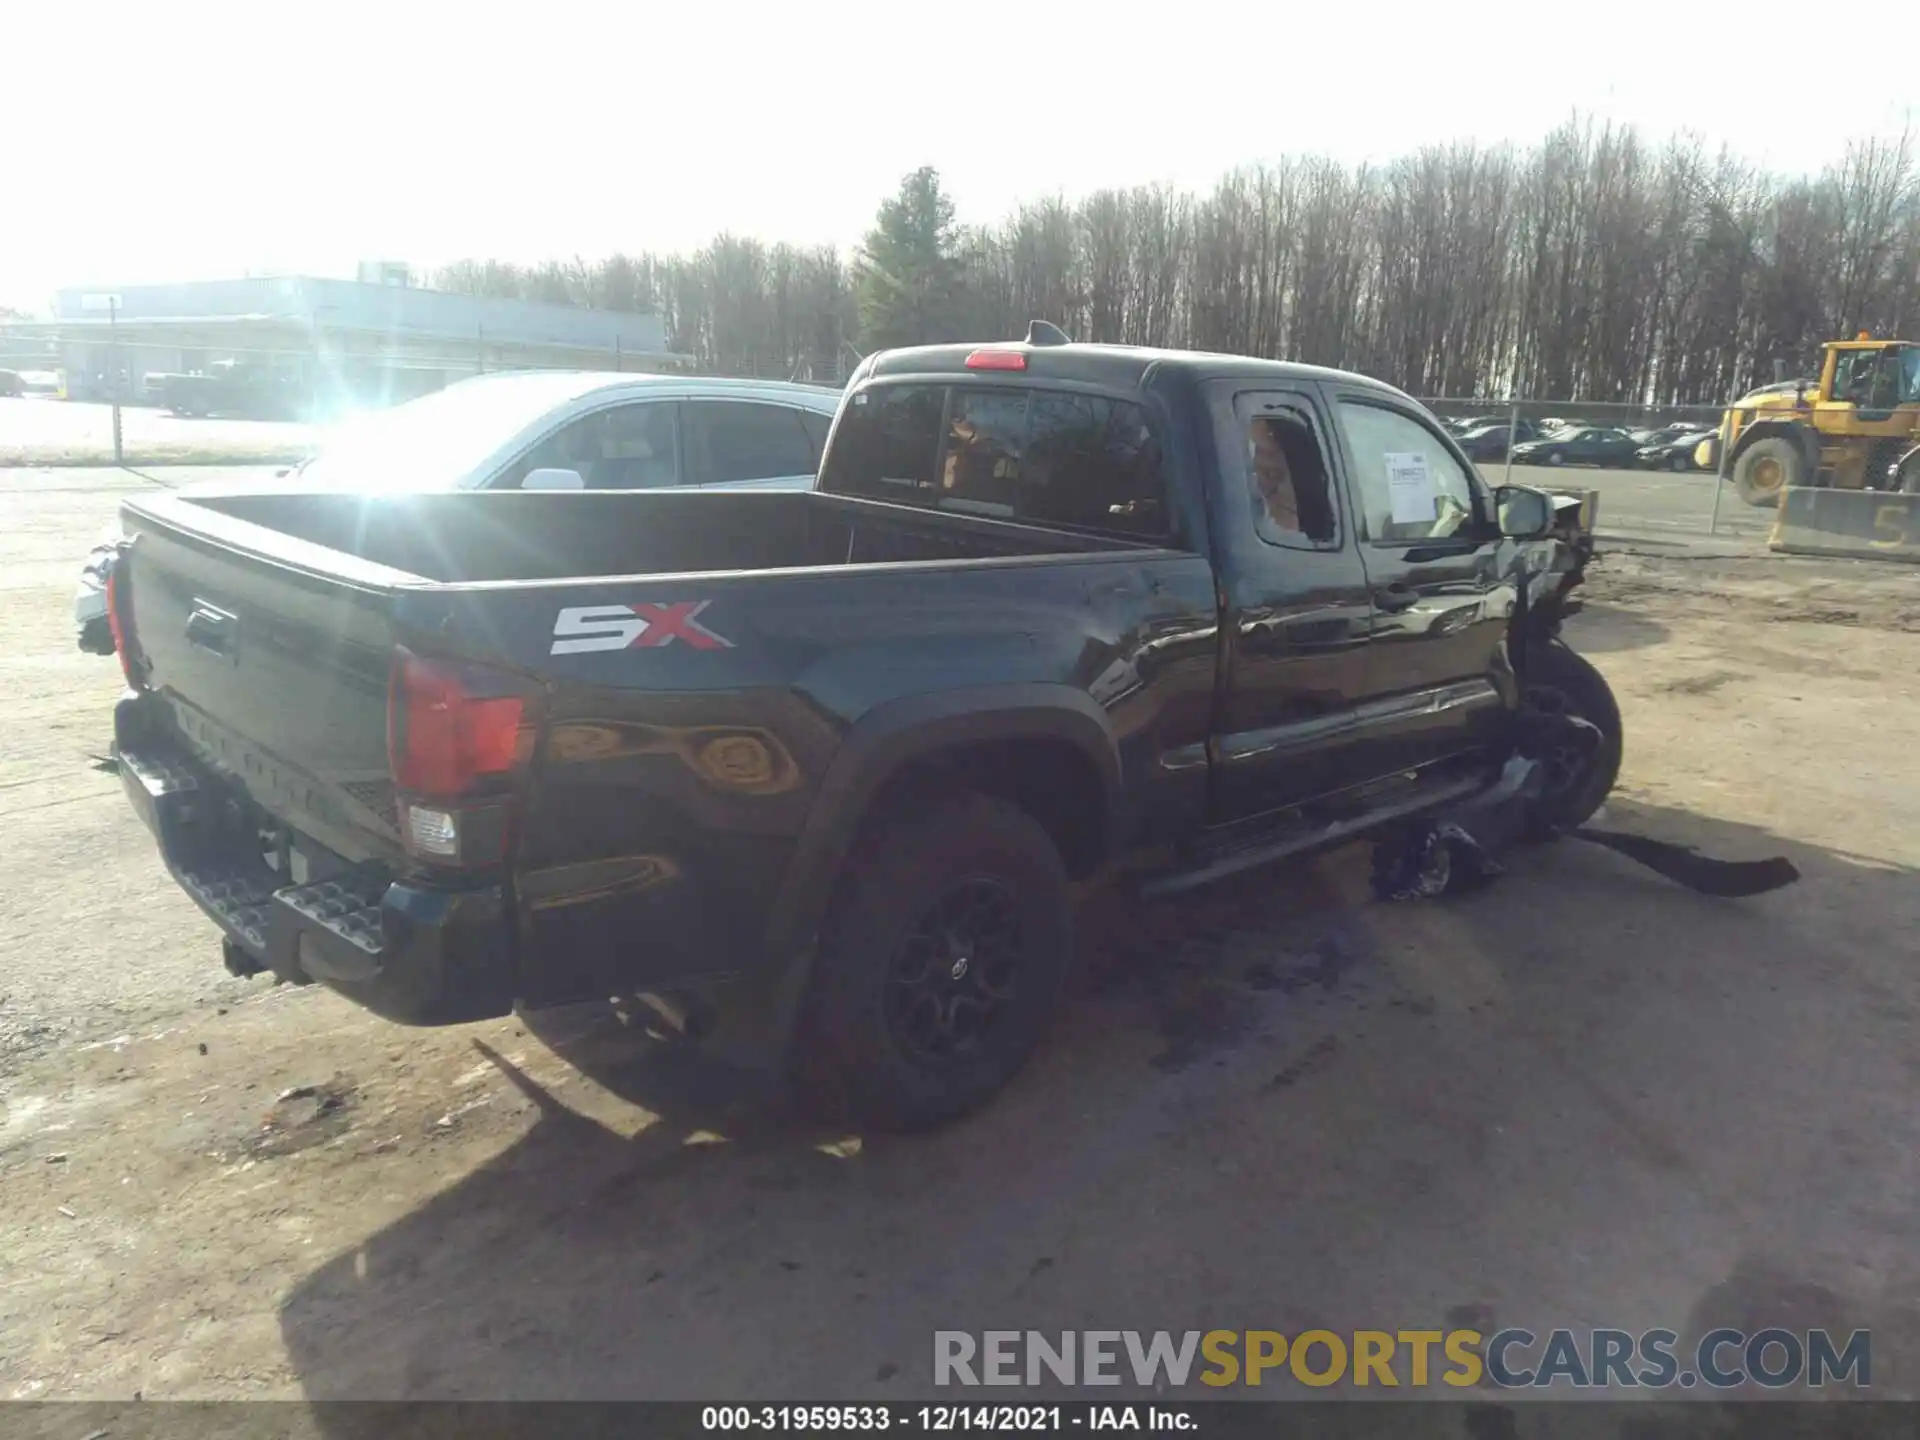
[1049, 457]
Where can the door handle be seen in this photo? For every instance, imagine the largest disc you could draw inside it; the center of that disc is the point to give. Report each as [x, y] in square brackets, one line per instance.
[211, 629]
[1395, 598]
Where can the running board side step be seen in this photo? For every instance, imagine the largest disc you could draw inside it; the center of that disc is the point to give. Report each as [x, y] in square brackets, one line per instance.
[1299, 835]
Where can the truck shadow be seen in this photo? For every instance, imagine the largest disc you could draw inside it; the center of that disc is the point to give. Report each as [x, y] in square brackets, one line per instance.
[1602, 628]
[1272, 1105]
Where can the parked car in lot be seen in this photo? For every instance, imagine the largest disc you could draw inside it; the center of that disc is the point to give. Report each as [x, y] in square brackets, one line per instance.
[1675, 452]
[831, 759]
[550, 430]
[253, 389]
[1489, 442]
[1661, 434]
[12, 385]
[1585, 445]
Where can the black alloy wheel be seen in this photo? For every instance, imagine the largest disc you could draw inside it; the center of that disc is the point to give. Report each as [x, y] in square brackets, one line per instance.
[956, 973]
[939, 964]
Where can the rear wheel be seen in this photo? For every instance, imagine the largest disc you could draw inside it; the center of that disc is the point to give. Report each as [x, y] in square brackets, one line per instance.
[939, 966]
[1560, 680]
[1766, 468]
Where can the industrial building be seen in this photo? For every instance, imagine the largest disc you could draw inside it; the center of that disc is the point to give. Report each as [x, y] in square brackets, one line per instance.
[332, 343]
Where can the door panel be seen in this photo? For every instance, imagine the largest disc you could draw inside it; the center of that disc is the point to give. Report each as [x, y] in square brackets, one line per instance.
[1296, 615]
[1437, 664]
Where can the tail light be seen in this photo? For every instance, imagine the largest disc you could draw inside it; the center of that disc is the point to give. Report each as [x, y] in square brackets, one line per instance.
[457, 735]
[116, 622]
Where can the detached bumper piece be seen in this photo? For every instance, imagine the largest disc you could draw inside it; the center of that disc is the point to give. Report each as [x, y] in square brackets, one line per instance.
[415, 955]
[1458, 851]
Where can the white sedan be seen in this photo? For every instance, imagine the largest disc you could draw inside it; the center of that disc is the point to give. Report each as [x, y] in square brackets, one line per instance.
[551, 430]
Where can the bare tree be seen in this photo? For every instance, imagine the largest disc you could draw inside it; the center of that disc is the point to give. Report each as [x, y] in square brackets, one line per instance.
[1591, 266]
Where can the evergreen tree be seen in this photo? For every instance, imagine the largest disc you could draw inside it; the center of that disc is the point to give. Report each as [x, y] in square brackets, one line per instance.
[908, 273]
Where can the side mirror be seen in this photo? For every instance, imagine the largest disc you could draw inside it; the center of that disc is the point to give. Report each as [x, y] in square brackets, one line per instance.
[552, 478]
[1525, 513]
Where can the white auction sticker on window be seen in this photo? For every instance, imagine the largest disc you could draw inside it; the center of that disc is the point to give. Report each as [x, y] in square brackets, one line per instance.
[1410, 489]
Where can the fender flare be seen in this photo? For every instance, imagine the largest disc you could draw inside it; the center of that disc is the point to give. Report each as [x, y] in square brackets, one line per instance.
[895, 734]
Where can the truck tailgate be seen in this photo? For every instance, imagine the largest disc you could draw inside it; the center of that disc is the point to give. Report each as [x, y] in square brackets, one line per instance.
[274, 675]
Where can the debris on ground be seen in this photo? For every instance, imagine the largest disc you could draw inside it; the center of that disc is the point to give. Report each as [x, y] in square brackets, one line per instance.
[303, 1116]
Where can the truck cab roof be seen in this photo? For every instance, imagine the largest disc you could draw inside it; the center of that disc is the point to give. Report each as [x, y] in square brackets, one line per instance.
[1116, 367]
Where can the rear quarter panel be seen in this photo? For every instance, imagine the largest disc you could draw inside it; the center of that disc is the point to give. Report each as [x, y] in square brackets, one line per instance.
[693, 721]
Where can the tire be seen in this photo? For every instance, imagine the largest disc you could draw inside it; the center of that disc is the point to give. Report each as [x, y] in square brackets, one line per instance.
[1560, 678]
[1554, 457]
[1766, 468]
[1679, 463]
[899, 1030]
[1907, 482]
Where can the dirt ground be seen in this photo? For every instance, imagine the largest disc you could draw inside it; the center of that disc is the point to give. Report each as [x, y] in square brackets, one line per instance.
[1583, 1097]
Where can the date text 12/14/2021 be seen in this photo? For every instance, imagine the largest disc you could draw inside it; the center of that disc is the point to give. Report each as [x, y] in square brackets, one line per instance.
[938, 1419]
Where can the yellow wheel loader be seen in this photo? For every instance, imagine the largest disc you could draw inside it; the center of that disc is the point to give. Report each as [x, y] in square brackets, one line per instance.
[1848, 430]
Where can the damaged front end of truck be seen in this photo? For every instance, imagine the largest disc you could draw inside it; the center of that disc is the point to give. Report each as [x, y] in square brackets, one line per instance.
[1564, 756]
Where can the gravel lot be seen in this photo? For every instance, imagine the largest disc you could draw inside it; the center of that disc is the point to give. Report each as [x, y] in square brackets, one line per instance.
[1584, 1097]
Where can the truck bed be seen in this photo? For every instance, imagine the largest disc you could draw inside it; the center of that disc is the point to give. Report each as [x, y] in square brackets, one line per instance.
[462, 537]
[267, 623]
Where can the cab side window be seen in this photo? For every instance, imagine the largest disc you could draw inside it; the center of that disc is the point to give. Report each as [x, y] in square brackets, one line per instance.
[1291, 493]
[1851, 376]
[1410, 487]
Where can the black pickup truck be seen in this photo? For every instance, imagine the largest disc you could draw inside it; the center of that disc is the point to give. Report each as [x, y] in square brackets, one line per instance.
[833, 759]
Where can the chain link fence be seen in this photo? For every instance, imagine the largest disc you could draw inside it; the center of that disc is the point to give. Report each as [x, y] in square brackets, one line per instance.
[1643, 461]
[107, 403]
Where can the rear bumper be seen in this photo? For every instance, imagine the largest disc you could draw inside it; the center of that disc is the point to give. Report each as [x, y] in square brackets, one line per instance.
[414, 954]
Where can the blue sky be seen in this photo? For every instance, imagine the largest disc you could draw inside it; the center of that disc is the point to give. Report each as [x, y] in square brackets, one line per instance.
[202, 139]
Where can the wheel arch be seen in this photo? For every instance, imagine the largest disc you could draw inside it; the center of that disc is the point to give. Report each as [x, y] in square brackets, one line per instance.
[1047, 748]
[1796, 432]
